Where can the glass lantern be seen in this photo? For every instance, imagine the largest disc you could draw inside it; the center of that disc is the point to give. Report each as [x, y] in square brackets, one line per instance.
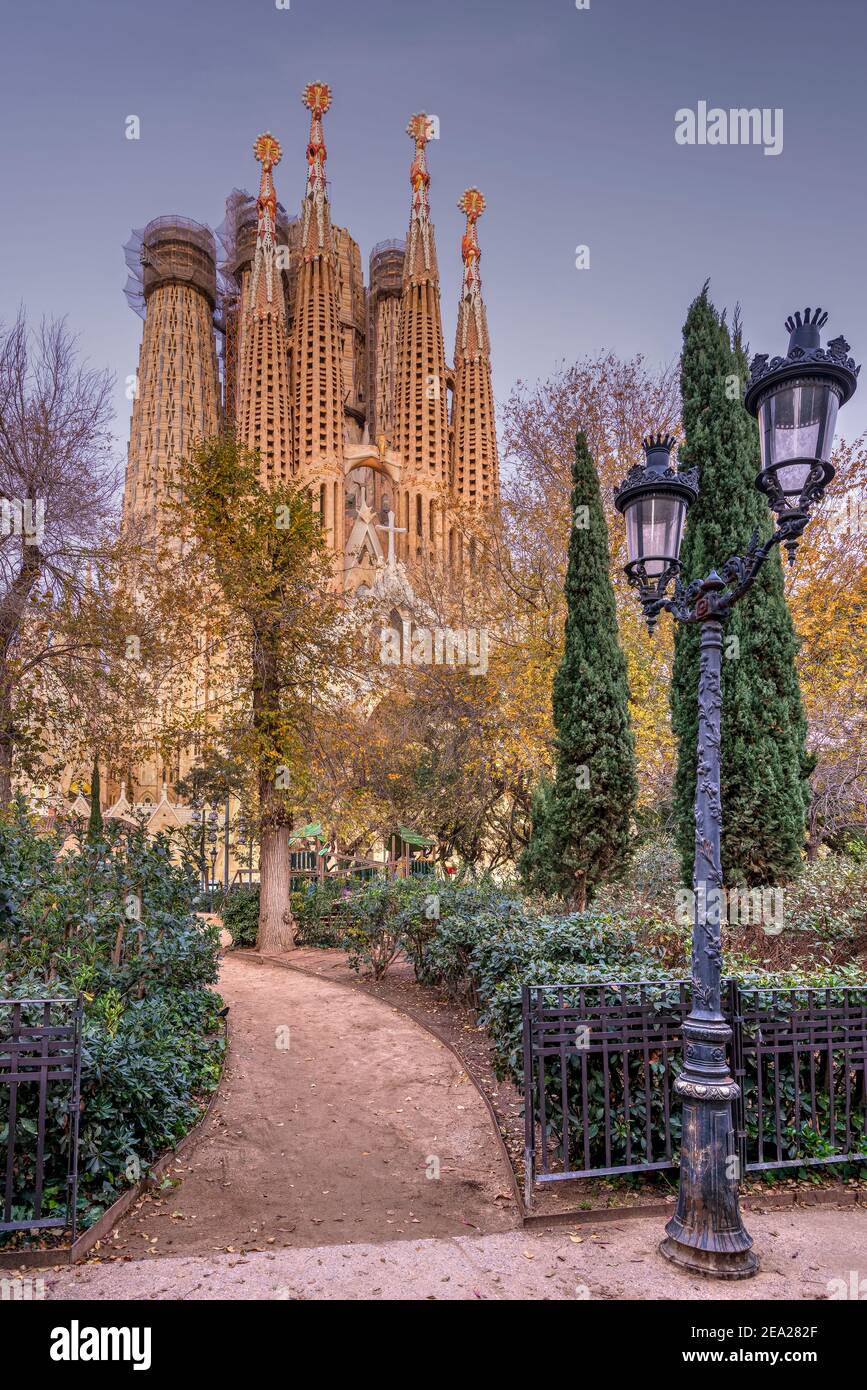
[654, 499]
[795, 400]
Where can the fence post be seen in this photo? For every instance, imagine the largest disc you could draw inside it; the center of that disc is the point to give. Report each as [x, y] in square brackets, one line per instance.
[75, 1116]
[529, 1106]
[738, 1072]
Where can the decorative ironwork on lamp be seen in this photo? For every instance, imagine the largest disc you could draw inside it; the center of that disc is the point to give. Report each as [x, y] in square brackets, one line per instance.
[654, 498]
[796, 399]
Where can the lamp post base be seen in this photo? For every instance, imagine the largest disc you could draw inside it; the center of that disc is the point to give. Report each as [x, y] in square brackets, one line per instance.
[713, 1264]
[706, 1234]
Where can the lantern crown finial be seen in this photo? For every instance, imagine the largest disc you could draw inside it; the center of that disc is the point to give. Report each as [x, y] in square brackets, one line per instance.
[657, 444]
[657, 451]
[803, 329]
[659, 440]
[805, 357]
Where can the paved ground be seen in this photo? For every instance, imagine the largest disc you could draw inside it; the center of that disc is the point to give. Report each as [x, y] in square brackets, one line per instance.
[333, 1110]
[801, 1251]
[310, 1180]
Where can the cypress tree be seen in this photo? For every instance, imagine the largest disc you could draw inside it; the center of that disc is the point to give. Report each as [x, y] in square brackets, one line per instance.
[94, 824]
[581, 820]
[765, 765]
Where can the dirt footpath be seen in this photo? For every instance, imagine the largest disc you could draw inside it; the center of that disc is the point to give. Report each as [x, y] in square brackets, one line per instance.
[801, 1254]
[333, 1111]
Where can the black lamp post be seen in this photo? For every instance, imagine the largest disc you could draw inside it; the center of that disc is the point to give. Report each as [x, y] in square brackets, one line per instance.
[796, 399]
[212, 851]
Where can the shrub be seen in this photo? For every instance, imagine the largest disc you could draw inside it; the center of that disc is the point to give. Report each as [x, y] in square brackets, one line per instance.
[829, 899]
[825, 911]
[380, 919]
[468, 914]
[152, 1042]
[316, 911]
[486, 946]
[584, 948]
[240, 914]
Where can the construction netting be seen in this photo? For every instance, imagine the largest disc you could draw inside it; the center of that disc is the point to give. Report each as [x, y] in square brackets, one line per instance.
[170, 250]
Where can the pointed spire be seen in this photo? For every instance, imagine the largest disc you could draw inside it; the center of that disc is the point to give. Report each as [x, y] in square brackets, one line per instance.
[265, 287]
[263, 419]
[420, 261]
[472, 336]
[475, 464]
[316, 224]
[317, 373]
[421, 408]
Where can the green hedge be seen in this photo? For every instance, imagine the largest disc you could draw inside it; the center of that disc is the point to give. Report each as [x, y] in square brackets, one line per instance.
[240, 914]
[152, 1040]
[487, 942]
[314, 907]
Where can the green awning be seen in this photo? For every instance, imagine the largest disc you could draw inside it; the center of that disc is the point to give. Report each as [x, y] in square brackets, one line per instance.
[412, 837]
[307, 832]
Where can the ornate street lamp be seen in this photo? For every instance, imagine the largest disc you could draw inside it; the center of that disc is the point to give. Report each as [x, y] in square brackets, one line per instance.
[796, 399]
[212, 851]
[654, 498]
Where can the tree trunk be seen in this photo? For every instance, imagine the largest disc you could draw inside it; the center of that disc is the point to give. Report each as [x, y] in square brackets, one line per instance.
[276, 927]
[580, 898]
[94, 824]
[12, 609]
[5, 769]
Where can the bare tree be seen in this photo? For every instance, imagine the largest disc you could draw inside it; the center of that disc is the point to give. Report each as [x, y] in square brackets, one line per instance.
[58, 482]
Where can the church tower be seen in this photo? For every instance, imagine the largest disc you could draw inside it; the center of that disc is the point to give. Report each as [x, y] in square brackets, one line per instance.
[421, 408]
[316, 355]
[173, 286]
[263, 419]
[475, 469]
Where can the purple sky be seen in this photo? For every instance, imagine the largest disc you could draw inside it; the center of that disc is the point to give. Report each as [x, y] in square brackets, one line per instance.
[564, 118]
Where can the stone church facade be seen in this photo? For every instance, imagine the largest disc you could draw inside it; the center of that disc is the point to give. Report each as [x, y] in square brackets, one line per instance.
[268, 329]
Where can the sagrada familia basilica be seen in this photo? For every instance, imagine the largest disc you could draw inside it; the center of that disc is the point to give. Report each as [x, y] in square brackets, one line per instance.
[341, 387]
[268, 330]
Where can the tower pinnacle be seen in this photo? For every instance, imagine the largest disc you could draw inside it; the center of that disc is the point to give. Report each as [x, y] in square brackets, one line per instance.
[315, 239]
[267, 151]
[472, 335]
[317, 387]
[475, 464]
[263, 420]
[420, 261]
[422, 387]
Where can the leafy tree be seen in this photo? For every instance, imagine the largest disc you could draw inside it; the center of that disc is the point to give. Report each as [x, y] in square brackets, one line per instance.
[616, 403]
[57, 482]
[765, 765]
[828, 594]
[253, 557]
[582, 822]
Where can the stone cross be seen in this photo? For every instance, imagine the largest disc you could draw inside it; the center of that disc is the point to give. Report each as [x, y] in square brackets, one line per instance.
[392, 532]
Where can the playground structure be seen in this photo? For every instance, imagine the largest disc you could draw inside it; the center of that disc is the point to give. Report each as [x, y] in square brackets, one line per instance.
[406, 854]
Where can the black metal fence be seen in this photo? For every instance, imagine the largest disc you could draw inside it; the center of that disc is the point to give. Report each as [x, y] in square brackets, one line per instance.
[40, 1086]
[600, 1063]
[800, 1058]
